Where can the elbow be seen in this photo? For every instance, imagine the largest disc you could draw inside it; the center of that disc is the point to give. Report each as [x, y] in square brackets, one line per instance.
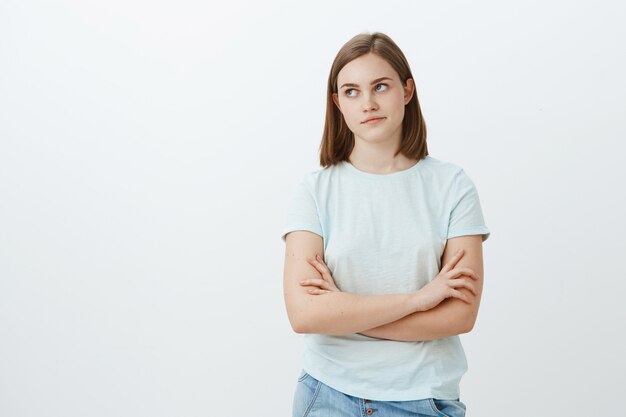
[466, 329]
[298, 325]
[296, 316]
[468, 324]
[468, 318]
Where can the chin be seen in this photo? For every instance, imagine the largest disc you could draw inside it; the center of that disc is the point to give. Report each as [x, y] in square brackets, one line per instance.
[372, 138]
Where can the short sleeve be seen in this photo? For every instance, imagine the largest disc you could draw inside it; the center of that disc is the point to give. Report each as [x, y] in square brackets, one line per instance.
[302, 213]
[466, 216]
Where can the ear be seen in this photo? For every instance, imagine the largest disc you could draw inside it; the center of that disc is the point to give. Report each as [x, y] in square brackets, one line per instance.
[409, 89]
[336, 100]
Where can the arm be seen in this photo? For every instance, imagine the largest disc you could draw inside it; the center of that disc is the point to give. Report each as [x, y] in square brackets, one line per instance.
[452, 316]
[334, 313]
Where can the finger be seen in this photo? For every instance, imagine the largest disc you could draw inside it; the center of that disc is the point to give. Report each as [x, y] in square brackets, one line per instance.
[463, 270]
[317, 291]
[447, 267]
[312, 262]
[452, 262]
[318, 266]
[316, 282]
[466, 284]
[462, 282]
[323, 269]
[469, 272]
[460, 296]
[321, 263]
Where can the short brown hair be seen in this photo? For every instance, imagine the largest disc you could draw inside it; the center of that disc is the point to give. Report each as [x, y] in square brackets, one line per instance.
[337, 139]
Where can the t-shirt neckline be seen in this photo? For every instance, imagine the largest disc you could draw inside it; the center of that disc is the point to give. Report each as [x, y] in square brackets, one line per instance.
[398, 174]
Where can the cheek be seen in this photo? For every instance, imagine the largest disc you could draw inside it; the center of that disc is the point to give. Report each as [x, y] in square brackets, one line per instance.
[401, 110]
[398, 109]
[350, 114]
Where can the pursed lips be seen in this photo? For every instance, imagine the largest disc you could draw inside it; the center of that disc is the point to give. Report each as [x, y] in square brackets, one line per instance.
[373, 119]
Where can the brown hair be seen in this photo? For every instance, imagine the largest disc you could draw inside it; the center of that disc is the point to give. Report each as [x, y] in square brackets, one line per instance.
[337, 139]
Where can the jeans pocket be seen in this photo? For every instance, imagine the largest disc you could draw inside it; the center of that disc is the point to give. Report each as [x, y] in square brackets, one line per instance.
[307, 391]
[448, 408]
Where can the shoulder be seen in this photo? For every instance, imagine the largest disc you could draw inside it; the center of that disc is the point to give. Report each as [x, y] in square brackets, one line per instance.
[442, 170]
[319, 179]
[442, 166]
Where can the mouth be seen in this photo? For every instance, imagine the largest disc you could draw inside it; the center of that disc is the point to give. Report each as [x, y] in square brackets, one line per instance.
[373, 121]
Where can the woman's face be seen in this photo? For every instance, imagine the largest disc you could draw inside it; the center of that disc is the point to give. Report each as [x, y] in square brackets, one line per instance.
[369, 87]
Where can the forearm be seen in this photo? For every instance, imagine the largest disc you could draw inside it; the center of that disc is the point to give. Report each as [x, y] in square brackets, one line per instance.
[447, 319]
[338, 313]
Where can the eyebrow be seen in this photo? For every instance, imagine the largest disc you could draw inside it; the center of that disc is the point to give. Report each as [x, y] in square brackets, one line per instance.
[372, 83]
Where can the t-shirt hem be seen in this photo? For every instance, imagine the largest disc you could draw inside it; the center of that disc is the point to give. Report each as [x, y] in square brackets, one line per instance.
[297, 227]
[477, 230]
[400, 395]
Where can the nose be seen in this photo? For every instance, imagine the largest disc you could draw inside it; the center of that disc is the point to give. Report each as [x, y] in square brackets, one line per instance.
[369, 103]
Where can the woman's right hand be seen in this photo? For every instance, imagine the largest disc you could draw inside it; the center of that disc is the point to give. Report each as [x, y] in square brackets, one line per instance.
[445, 283]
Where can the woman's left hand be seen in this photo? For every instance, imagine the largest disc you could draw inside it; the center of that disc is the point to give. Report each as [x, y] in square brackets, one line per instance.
[324, 285]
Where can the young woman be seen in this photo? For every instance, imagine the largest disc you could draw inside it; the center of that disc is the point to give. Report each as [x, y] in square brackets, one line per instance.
[383, 260]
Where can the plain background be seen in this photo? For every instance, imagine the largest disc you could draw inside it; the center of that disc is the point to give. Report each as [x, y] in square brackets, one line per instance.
[148, 149]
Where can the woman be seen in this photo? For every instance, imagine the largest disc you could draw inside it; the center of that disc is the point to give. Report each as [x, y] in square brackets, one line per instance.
[383, 261]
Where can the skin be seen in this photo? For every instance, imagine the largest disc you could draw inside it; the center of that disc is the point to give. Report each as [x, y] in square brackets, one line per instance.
[375, 144]
[452, 313]
[441, 287]
[449, 303]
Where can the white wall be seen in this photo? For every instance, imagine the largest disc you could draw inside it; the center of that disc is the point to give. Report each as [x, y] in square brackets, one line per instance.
[147, 150]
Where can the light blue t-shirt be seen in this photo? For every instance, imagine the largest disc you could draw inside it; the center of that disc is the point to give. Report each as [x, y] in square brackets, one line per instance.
[385, 234]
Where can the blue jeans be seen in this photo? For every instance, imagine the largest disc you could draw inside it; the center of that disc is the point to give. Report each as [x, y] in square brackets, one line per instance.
[316, 399]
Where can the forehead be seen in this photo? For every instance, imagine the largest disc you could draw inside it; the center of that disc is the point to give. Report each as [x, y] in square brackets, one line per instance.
[364, 69]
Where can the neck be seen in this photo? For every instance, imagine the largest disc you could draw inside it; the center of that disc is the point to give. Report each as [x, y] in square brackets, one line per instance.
[378, 157]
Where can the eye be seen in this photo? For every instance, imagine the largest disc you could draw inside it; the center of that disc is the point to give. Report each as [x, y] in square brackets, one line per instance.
[382, 84]
[347, 92]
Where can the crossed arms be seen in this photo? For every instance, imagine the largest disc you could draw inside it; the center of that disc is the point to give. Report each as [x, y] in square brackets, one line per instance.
[389, 316]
